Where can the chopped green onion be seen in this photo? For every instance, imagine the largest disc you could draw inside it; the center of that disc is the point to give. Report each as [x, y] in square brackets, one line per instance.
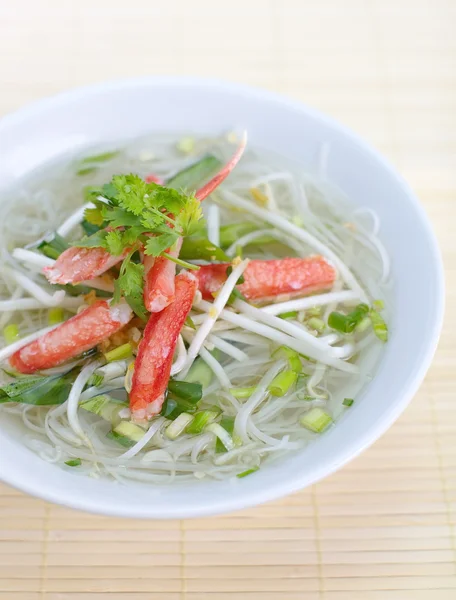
[242, 392]
[178, 425]
[52, 246]
[119, 353]
[222, 435]
[228, 424]
[348, 401]
[186, 145]
[86, 171]
[173, 407]
[200, 373]
[291, 314]
[74, 462]
[189, 323]
[248, 472]
[347, 323]
[185, 390]
[316, 323]
[316, 420]
[378, 305]
[102, 157]
[11, 333]
[282, 382]
[291, 356]
[56, 315]
[314, 311]
[202, 419]
[363, 325]
[338, 322]
[96, 379]
[379, 326]
[106, 407]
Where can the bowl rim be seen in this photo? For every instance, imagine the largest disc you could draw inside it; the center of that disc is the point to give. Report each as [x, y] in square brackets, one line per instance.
[373, 430]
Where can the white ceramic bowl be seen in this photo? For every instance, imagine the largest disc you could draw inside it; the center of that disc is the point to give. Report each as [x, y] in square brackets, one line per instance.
[112, 111]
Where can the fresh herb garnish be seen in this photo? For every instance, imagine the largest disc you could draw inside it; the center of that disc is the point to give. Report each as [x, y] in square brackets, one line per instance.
[138, 215]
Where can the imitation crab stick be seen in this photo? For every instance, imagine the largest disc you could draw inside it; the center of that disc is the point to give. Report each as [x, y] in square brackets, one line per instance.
[159, 275]
[265, 279]
[80, 264]
[73, 337]
[156, 350]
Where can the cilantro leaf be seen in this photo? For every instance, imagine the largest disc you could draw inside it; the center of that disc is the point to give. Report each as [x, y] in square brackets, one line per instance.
[97, 240]
[131, 190]
[158, 244]
[188, 220]
[114, 242]
[119, 217]
[151, 219]
[130, 285]
[94, 216]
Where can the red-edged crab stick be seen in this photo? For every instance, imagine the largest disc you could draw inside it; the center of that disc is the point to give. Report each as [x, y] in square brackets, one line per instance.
[73, 337]
[155, 353]
[265, 279]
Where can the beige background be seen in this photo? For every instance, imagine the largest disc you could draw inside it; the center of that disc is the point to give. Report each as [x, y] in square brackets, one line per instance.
[383, 528]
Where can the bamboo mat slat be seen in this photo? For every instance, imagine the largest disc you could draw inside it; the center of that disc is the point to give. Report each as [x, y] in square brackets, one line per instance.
[384, 528]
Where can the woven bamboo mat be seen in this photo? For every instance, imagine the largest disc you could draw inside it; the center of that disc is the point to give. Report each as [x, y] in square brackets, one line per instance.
[383, 528]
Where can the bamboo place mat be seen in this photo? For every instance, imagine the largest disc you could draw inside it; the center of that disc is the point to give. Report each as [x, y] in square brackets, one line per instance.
[383, 527]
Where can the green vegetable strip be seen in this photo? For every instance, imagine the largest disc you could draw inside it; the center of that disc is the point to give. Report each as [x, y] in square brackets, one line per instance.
[282, 382]
[348, 401]
[119, 353]
[200, 248]
[228, 424]
[53, 247]
[102, 157]
[347, 323]
[292, 314]
[316, 323]
[173, 407]
[202, 419]
[316, 420]
[56, 315]
[192, 177]
[379, 326]
[86, 171]
[38, 390]
[185, 390]
[242, 392]
[75, 462]
[105, 407]
[291, 356]
[363, 325]
[248, 472]
[11, 333]
[378, 305]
